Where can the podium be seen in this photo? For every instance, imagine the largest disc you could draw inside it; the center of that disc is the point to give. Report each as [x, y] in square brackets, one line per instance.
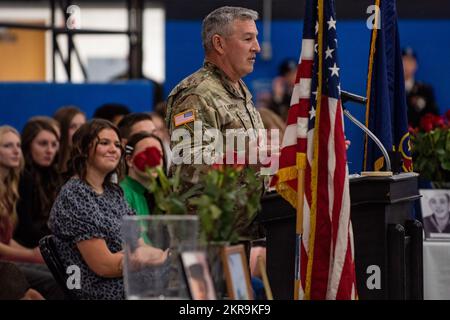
[387, 240]
[278, 219]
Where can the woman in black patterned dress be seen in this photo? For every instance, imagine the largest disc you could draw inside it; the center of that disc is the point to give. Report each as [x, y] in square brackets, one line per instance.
[87, 215]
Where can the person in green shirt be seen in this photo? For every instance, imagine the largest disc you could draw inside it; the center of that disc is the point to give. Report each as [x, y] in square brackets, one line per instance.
[135, 183]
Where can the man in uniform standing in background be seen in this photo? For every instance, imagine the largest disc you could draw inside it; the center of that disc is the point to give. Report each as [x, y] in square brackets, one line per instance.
[419, 96]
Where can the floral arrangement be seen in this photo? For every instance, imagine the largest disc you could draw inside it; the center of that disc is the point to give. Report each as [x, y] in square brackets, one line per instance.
[431, 148]
[230, 199]
[222, 200]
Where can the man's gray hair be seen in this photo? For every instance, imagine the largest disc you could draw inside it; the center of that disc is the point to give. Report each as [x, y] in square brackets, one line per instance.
[219, 22]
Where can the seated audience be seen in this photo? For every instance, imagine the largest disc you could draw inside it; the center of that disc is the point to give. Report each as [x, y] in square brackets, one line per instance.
[113, 112]
[87, 215]
[29, 260]
[39, 181]
[70, 118]
[135, 183]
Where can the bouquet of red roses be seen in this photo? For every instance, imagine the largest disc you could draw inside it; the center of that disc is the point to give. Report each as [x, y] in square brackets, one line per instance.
[431, 148]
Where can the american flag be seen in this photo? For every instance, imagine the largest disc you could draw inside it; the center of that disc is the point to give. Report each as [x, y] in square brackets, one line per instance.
[314, 144]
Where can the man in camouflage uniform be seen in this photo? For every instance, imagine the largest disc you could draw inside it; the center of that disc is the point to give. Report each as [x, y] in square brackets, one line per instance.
[215, 97]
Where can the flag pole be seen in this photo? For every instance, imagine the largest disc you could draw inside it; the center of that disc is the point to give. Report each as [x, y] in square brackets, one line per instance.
[369, 80]
[301, 165]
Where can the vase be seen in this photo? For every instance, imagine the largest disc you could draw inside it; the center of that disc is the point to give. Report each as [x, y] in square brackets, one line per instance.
[214, 251]
[170, 233]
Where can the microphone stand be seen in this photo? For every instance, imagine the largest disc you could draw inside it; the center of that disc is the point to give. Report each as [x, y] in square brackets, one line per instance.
[347, 96]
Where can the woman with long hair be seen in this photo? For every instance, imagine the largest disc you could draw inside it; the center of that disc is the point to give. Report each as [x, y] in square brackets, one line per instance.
[70, 118]
[28, 260]
[11, 165]
[39, 182]
[86, 218]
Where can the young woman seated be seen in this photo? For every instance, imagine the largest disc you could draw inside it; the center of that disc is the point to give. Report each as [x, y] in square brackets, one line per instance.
[39, 182]
[135, 183]
[11, 165]
[86, 218]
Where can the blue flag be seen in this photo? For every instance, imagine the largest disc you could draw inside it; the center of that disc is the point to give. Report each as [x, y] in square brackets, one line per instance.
[386, 114]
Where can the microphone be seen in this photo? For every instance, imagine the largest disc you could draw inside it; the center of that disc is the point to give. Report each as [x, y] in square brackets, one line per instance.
[348, 96]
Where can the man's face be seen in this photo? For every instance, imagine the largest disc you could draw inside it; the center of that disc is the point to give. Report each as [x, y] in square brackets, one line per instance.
[241, 47]
[439, 205]
[409, 67]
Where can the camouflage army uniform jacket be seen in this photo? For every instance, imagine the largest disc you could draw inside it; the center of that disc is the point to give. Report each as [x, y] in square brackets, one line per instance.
[209, 96]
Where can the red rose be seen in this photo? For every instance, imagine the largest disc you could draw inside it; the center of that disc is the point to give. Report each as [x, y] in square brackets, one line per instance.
[140, 161]
[427, 122]
[150, 157]
[154, 156]
[438, 121]
[447, 115]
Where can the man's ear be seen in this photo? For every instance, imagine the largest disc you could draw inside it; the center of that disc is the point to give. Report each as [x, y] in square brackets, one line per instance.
[218, 43]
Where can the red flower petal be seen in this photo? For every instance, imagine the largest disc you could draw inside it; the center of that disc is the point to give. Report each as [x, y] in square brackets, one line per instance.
[154, 156]
[140, 161]
[427, 122]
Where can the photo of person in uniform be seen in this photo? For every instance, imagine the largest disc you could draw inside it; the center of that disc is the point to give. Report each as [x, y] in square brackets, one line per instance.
[435, 211]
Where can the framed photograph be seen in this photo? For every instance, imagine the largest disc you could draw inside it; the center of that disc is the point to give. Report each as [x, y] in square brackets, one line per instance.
[237, 273]
[198, 277]
[435, 205]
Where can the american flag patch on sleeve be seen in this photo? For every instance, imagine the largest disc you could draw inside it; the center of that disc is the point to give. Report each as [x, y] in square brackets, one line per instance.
[184, 117]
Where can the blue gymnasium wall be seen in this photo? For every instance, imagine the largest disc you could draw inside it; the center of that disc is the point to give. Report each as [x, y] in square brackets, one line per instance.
[430, 38]
[20, 101]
